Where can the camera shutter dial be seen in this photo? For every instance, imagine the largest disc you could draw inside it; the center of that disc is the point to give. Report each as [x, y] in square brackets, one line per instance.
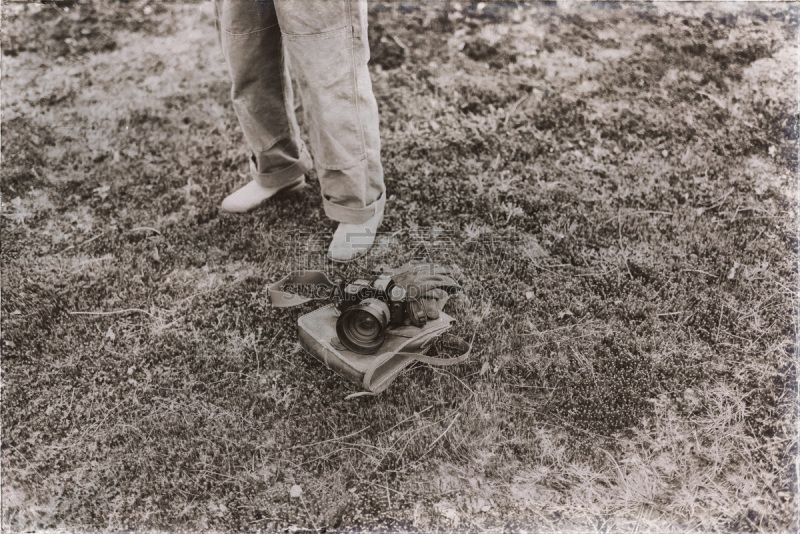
[397, 293]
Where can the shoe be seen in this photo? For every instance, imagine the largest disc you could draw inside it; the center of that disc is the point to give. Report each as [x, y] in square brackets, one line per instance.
[254, 194]
[351, 241]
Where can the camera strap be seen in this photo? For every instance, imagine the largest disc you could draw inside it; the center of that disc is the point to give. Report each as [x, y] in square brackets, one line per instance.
[423, 343]
[282, 297]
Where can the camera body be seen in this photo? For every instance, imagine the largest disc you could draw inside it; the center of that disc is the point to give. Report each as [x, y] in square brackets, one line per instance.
[383, 289]
[368, 308]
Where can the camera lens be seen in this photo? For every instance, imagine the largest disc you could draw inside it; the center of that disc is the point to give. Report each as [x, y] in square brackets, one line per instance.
[362, 328]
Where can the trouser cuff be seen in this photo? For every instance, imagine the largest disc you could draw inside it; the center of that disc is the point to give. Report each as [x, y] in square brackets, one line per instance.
[285, 175]
[349, 215]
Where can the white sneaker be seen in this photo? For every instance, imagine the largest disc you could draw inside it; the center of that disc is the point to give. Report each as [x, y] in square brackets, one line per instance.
[351, 241]
[253, 194]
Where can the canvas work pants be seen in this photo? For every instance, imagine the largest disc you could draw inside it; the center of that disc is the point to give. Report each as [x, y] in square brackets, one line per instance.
[321, 45]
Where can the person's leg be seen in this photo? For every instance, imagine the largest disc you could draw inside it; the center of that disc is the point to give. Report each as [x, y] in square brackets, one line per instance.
[326, 42]
[262, 98]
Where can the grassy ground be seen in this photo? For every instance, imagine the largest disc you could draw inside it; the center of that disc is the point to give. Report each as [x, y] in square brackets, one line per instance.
[616, 183]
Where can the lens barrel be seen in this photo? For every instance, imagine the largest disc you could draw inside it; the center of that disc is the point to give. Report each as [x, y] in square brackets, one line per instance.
[362, 328]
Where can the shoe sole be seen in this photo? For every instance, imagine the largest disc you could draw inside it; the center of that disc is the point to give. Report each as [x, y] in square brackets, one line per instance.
[360, 255]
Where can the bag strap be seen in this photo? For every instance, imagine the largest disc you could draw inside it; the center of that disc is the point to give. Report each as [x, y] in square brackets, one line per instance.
[280, 298]
[382, 359]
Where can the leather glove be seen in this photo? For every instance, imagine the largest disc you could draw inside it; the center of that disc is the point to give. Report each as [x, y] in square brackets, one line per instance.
[427, 286]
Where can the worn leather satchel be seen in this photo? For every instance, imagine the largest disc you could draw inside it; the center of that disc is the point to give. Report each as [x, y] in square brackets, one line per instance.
[426, 289]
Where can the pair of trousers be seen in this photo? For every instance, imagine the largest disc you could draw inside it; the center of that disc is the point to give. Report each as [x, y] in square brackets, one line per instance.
[321, 45]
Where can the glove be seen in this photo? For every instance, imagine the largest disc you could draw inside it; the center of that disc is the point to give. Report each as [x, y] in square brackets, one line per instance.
[427, 286]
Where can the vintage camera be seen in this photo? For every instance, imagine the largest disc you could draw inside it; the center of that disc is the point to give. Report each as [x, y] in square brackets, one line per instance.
[368, 308]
